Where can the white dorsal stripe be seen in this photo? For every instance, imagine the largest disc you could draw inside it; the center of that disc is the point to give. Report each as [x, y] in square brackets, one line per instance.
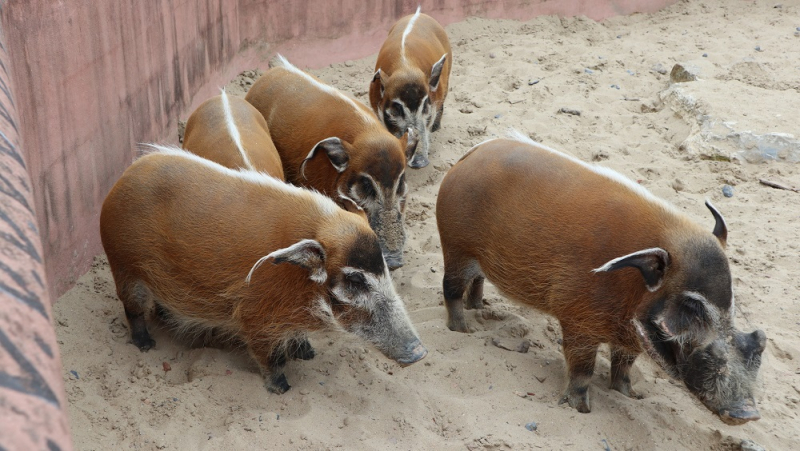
[367, 117]
[604, 171]
[409, 26]
[325, 204]
[233, 129]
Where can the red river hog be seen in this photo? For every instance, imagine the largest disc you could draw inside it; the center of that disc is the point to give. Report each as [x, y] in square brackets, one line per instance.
[231, 132]
[331, 143]
[249, 256]
[613, 263]
[411, 80]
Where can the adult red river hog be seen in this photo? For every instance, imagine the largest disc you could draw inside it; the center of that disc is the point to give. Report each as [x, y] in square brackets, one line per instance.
[331, 143]
[411, 79]
[250, 257]
[231, 132]
[613, 263]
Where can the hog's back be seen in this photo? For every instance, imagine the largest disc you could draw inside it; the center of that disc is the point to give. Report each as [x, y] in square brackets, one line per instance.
[191, 234]
[299, 115]
[538, 223]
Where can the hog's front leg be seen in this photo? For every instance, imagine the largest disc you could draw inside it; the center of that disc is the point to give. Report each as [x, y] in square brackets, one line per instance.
[580, 354]
[621, 363]
[271, 359]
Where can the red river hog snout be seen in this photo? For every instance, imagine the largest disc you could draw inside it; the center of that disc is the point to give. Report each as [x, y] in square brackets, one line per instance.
[411, 80]
[250, 257]
[331, 143]
[231, 132]
[613, 263]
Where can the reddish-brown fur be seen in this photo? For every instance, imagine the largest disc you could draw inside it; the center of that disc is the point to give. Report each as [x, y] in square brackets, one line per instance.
[185, 235]
[411, 80]
[301, 114]
[536, 224]
[207, 135]
[425, 45]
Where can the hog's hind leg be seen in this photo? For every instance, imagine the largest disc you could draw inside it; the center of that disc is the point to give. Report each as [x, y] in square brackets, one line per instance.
[458, 276]
[137, 300]
[475, 293]
[621, 363]
[580, 353]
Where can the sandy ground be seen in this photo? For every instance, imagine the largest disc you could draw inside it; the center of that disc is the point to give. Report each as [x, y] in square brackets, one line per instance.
[681, 142]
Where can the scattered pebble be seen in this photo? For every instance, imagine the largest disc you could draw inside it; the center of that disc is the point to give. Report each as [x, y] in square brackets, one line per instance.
[630, 72]
[166, 366]
[660, 69]
[433, 269]
[727, 190]
[749, 445]
[349, 63]
[619, 36]
[175, 399]
[678, 185]
[705, 55]
[758, 48]
[588, 71]
[498, 115]
[228, 372]
[533, 81]
[615, 86]
[532, 426]
[492, 55]
[74, 373]
[566, 110]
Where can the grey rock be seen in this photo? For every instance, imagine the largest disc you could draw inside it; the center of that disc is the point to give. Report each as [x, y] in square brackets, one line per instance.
[682, 73]
[727, 190]
[749, 445]
[659, 68]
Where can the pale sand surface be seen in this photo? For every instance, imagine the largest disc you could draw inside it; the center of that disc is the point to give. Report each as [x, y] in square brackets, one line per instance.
[466, 393]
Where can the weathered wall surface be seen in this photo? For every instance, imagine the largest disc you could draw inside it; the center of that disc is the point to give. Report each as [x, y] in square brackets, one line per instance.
[96, 77]
[32, 402]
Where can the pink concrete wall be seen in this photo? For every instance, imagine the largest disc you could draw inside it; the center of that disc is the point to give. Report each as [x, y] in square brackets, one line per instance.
[96, 77]
[32, 401]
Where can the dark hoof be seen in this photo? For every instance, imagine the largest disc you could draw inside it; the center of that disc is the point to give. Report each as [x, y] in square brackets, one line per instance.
[304, 351]
[459, 327]
[278, 385]
[394, 262]
[144, 343]
[577, 399]
[418, 162]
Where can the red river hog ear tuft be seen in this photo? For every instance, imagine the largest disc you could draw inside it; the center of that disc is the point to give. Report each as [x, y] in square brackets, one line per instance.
[720, 228]
[652, 263]
[436, 72]
[307, 254]
[334, 149]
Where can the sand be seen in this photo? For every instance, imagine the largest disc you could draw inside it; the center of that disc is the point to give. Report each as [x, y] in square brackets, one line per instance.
[682, 142]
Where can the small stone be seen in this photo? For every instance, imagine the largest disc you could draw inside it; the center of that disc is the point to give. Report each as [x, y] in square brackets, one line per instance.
[74, 373]
[677, 185]
[433, 269]
[682, 73]
[749, 445]
[615, 86]
[532, 426]
[166, 366]
[533, 81]
[759, 49]
[660, 69]
[630, 72]
[349, 63]
[588, 71]
[727, 190]
[705, 55]
[492, 55]
[571, 111]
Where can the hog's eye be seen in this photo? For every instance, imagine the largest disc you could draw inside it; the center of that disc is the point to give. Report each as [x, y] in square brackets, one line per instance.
[356, 279]
[397, 109]
[366, 188]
